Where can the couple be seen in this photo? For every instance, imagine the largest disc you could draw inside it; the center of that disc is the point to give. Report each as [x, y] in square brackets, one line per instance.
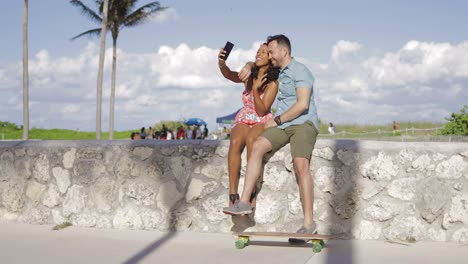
[296, 123]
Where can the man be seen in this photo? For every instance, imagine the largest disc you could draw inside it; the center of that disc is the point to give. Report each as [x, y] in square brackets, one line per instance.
[296, 123]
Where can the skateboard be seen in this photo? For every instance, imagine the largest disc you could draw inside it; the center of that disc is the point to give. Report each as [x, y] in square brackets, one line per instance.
[318, 241]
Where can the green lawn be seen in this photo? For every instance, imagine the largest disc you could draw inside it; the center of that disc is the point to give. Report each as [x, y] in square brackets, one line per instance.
[10, 131]
[60, 134]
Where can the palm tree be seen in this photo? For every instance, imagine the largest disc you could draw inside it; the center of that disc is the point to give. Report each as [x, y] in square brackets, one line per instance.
[122, 13]
[25, 72]
[101, 69]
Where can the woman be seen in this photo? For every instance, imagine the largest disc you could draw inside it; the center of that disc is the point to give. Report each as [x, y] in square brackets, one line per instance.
[260, 92]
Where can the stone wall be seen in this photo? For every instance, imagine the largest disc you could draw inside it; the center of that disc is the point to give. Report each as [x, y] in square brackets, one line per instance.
[363, 189]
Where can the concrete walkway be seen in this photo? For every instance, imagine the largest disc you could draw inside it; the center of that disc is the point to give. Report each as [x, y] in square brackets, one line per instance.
[39, 244]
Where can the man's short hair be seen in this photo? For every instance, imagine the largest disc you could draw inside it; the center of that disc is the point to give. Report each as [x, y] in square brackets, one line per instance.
[281, 40]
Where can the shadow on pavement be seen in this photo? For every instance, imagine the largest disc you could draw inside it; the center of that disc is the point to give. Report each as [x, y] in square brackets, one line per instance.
[151, 248]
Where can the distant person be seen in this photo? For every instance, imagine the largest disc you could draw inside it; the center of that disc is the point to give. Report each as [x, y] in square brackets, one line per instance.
[258, 96]
[188, 133]
[205, 132]
[150, 133]
[395, 127]
[143, 133]
[198, 133]
[135, 136]
[331, 129]
[180, 133]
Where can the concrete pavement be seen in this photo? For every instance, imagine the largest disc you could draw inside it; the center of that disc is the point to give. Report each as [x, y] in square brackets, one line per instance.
[20, 243]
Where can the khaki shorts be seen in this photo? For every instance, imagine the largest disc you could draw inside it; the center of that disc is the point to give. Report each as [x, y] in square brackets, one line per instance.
[301, 137]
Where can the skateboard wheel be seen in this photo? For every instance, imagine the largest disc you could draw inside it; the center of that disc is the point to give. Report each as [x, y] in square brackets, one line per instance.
[242, 242]
[316, 246]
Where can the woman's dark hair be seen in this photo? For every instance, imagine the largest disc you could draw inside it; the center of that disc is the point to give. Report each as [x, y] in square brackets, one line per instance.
[272, 73]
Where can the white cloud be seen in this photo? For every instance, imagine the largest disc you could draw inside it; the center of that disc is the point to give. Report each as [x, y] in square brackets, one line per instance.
[420, 81]
[169, 14]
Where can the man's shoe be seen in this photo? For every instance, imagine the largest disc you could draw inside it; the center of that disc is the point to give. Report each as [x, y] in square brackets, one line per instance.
[303, 230]
[239, 208]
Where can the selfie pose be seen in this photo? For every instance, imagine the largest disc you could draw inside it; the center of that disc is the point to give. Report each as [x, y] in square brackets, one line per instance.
[296, 123]
[260, 92]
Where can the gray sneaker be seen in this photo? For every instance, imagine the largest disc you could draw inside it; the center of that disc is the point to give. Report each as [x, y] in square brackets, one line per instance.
[303, 230]
[239, 208]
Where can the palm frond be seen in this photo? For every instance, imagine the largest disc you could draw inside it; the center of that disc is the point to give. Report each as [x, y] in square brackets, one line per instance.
[142, 14]
[86, 11]
[90, 33]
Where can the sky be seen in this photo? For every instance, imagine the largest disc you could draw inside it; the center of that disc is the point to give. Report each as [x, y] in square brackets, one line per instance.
[373, 61]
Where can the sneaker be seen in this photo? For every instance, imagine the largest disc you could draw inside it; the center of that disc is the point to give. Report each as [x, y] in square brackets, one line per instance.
[239, 208]
[303, 230]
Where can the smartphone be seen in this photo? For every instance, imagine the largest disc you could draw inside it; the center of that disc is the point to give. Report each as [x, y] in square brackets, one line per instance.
[228, 47]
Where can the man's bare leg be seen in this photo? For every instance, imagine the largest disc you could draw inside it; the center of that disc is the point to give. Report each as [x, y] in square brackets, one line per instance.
[306, 189]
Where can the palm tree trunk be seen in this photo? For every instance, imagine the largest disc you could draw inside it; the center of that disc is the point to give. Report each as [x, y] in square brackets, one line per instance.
[25, 73]
[101, 69]
[112, 97]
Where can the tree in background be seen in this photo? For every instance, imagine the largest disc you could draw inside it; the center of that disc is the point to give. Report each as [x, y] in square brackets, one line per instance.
[25, 72]
[122, 13]
[458, 123]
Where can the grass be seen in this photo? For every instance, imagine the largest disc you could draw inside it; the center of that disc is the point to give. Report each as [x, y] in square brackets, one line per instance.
[12, 132]
[60, 134]
[62, 226]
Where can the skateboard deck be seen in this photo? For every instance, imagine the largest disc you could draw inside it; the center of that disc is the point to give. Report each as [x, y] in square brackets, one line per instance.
[318, 241]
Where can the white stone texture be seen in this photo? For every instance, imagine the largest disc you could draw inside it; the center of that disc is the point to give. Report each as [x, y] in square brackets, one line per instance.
[438, 235]
[7, 167]
[51, 197]
[276, 178]
[269, 208]
[13, 197]
[102, 193]
[151, 219]
[405, 228]
[20, 152]
[406, 155]
[168, 196]
[324, 153]
[182, 169]
[198, 189]
[41, 169]
[403, 189]
[452, 168]
[75, 200]
[127, 218]
[422, 163]
[141, 192]
[381, 210]
[458, 211]
[380, 168]
[143, 152]
[432, 198]
[62, 177]
[214, 172]
[294, 204]
[57, 217]
[85, 219]
[212, 206]
[367, 230]
[34, 192]
[222, 151]
[69, 158]
[460, 236]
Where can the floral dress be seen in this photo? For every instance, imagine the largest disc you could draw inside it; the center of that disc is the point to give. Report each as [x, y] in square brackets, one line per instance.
[247, 115]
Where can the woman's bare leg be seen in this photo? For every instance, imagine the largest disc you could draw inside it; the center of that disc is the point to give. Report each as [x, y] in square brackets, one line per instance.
[236, 145]
[253, 134]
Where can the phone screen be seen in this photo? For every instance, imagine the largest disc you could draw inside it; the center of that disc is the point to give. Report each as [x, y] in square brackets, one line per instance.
[228, 47]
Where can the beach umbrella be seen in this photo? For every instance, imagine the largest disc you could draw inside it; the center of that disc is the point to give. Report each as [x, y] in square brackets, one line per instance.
[195, 122]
